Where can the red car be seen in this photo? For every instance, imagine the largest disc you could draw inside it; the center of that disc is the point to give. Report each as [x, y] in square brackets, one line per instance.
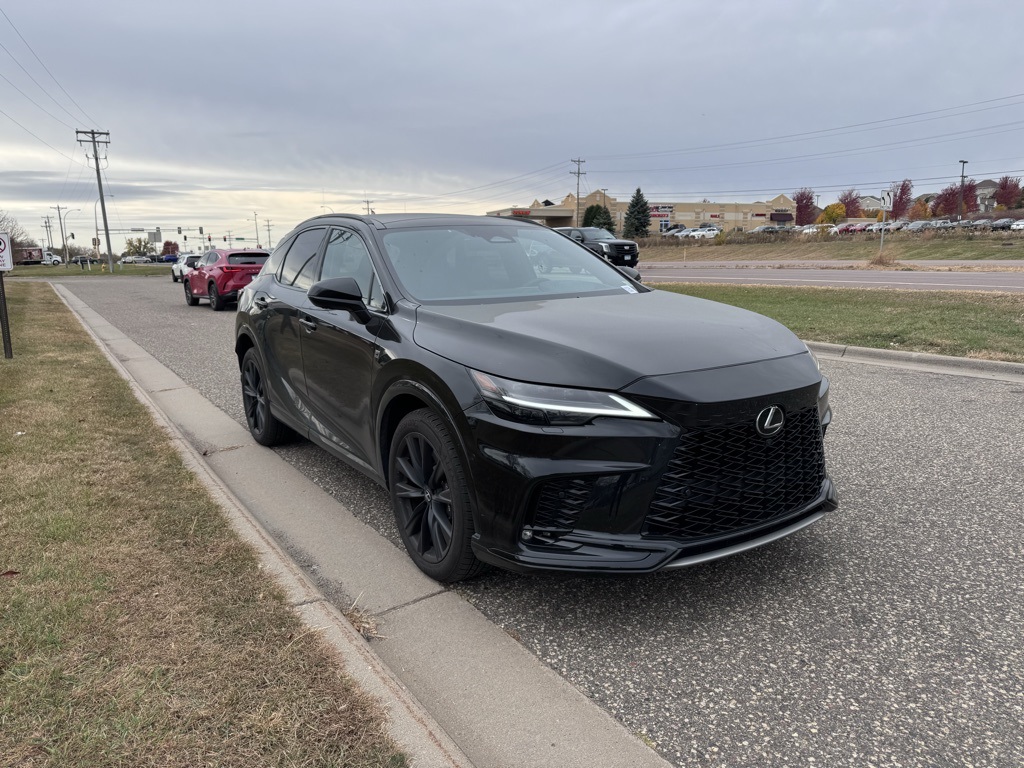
[220, 274]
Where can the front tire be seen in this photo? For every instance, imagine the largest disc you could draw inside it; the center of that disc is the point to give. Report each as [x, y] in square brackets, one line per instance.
[263, 425]
[430, 498]
[174, 277]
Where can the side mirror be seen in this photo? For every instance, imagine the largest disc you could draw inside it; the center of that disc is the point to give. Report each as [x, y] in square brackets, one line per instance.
[338, 293]
[577, 237]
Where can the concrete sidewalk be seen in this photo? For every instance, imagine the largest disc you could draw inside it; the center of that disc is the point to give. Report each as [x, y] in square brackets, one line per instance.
[459, 691]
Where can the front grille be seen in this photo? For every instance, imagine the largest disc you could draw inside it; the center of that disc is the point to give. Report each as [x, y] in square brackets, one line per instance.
[623, 250]
[727, 478]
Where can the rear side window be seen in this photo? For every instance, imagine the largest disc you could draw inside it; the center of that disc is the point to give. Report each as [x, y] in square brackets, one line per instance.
[300, 263]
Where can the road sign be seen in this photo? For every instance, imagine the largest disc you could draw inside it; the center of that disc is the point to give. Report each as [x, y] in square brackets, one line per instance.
[6, 254]
[886, 200]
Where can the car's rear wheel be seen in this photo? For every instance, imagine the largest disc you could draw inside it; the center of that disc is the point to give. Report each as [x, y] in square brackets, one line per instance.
[217, 302]
[263, 425]
[190, 298]
[431, 499]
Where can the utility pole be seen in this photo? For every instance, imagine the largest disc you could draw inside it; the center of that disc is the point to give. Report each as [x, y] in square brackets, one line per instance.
[49, 235]
[267, 222]
[63, 239]
[367, 206]
[577, 173]
[256, 224]
[960, 205]
[96, 138]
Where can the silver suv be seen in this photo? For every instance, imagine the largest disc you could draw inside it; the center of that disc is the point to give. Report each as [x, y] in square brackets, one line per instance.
[186, 263]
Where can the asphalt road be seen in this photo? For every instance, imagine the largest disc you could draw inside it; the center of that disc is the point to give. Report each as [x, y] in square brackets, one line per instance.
[835, 277]
[889, 634]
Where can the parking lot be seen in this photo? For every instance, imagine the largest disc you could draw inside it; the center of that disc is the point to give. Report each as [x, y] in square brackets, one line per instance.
[888, 634]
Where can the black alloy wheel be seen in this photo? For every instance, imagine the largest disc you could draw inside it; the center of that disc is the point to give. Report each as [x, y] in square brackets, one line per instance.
[217, 302]
[174, 277]
[263, 425]
[431, 499]
[190, 298]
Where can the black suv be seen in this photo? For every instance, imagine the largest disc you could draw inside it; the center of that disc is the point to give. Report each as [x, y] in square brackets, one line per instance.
[621, 253]
[515, 415]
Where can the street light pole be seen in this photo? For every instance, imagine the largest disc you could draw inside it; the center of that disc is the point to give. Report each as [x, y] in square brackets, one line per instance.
[256, 224]
[960, 205]
[62, 220]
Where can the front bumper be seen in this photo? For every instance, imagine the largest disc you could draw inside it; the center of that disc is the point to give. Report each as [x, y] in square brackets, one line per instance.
[635, 496]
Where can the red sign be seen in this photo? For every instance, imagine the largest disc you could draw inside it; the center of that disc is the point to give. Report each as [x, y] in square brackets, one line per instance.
[520, 211]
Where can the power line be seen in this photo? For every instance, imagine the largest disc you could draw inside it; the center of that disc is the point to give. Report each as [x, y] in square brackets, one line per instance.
[86, 114]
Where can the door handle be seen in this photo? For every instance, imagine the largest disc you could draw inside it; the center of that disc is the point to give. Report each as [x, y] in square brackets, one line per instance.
[261, 301]
[308, 324]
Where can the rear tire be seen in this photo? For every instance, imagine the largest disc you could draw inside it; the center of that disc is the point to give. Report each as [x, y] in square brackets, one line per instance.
[190, 297]
[430, 498]
[263, 425]
[217, 302]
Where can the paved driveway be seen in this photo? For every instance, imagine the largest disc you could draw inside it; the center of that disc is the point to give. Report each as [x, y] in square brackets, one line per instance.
[888, 634]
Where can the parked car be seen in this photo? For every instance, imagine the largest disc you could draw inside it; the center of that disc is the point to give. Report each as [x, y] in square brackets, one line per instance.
[820, 229]
[861, 226]
[942, 224]
[703, 233]
[169, 258]
[981, 223]
[765, 229]
[622, 253]
[685, 232]
[84, 260]
[1003, 223]
[185, 263]
[519, 418]
[918, 226]
[220, 274]
[1017, 225]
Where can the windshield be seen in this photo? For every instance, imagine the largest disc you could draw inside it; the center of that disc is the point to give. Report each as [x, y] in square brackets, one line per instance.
[496, 261]
[598, 233]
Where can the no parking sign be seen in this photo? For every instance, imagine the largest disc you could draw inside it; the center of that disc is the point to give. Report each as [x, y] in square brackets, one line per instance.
[6, 256]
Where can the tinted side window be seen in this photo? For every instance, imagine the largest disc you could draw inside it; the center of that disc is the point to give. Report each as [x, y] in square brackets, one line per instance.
[347, 256]
[301, 259]
[273, 264]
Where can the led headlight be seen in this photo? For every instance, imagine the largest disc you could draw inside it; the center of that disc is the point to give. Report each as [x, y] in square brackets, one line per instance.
[555, 406]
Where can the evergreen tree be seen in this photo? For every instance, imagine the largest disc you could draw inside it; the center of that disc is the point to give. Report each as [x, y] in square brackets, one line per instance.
[638, 216]
[590, 214]
[603, 219]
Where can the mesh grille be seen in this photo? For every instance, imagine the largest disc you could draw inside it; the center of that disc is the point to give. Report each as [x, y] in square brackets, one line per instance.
[724, 479]
[560, 503]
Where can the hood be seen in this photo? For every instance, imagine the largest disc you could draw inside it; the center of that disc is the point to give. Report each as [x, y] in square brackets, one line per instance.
[601, 342]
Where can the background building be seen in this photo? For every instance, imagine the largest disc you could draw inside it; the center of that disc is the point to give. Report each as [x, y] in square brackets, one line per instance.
[779, 210]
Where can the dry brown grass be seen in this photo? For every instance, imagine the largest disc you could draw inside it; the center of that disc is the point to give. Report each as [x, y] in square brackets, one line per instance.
[138, 630]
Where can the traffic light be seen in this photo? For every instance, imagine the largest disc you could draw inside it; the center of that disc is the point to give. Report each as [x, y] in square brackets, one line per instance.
[200, 230]
[72, 235]
[179, 230]
[186, 238]
[225, 238]
[209, 238]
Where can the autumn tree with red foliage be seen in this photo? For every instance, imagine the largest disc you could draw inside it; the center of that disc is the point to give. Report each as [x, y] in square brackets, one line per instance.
[851, 202]
[1007, 192]
[902, 198]
[804, 199]
[947, 202]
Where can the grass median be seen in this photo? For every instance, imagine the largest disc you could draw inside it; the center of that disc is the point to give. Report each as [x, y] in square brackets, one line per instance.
[135, 627]
[985, 326]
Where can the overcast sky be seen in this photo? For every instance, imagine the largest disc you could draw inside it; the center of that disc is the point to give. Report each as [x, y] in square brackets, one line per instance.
[219, 111]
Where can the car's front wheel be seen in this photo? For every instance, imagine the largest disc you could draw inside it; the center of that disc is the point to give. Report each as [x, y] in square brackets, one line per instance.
[190, 298]
[431, 499]
[174, 277]
[265, 428]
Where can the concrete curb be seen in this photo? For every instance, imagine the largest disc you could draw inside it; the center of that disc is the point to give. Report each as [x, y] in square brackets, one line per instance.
[923, 361]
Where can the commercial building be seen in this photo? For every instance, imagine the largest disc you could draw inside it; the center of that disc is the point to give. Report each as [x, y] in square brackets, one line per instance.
[779, 210]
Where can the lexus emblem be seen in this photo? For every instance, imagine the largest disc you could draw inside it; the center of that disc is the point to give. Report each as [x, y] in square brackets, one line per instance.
[769, 421]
